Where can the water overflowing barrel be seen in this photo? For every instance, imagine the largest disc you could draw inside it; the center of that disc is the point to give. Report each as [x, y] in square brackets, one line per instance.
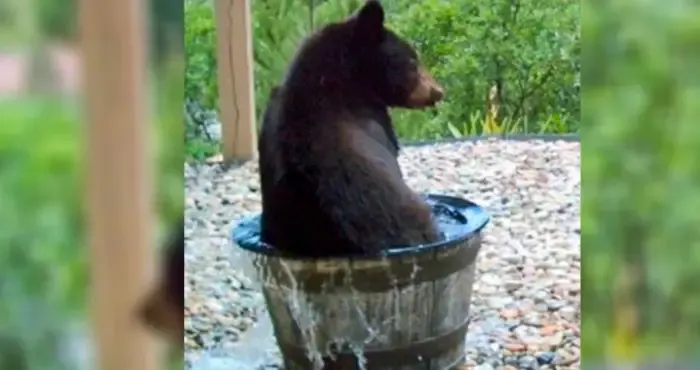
[407, 309]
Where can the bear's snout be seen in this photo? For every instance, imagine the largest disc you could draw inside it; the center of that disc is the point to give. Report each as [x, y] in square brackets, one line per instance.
[436, 94]
[426, 93]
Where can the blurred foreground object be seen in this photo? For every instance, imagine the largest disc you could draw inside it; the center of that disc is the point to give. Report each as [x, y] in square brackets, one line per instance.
[164, 307]
[113, 40]
[640, 175]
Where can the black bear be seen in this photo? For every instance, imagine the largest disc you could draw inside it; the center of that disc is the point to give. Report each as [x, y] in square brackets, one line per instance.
[330, 180]
[164, 308]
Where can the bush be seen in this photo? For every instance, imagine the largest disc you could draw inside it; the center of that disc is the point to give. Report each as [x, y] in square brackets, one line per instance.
[200, 45]
[528, 48]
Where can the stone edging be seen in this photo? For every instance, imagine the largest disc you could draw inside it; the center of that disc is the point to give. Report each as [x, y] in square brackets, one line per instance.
[466, 139]
[518, 137]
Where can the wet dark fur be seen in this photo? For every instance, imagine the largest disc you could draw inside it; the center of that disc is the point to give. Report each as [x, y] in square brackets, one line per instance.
[164, 307]
[331, 183]
[387, 135]
[174, 267]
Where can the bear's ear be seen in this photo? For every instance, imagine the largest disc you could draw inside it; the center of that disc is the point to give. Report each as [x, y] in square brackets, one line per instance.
[369, 25]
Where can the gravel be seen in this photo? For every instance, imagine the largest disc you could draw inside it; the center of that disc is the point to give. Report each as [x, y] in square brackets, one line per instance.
[526, 303]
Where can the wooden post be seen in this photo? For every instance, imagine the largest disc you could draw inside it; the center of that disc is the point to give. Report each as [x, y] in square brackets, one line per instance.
[113, 38]
[235, 77]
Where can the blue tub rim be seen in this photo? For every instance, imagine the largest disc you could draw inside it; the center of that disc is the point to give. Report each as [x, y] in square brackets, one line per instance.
[483, 219]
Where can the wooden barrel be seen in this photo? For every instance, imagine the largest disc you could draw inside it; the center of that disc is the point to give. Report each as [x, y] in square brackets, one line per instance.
[406, 310]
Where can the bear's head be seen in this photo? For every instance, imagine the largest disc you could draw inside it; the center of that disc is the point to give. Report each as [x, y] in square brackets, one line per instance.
[390, 64]
[360, 58]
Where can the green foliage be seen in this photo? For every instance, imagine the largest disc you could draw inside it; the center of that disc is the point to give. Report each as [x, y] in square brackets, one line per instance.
[42, 267]
[640, 178]
[530, 48]
[57, 19]
[169, 131]
[41, 190]
[200, 46]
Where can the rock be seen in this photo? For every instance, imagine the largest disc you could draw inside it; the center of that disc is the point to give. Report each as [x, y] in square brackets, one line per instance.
[515, 347]
[546, 358]
[510, 313]
[484, 366]
[528, 363]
